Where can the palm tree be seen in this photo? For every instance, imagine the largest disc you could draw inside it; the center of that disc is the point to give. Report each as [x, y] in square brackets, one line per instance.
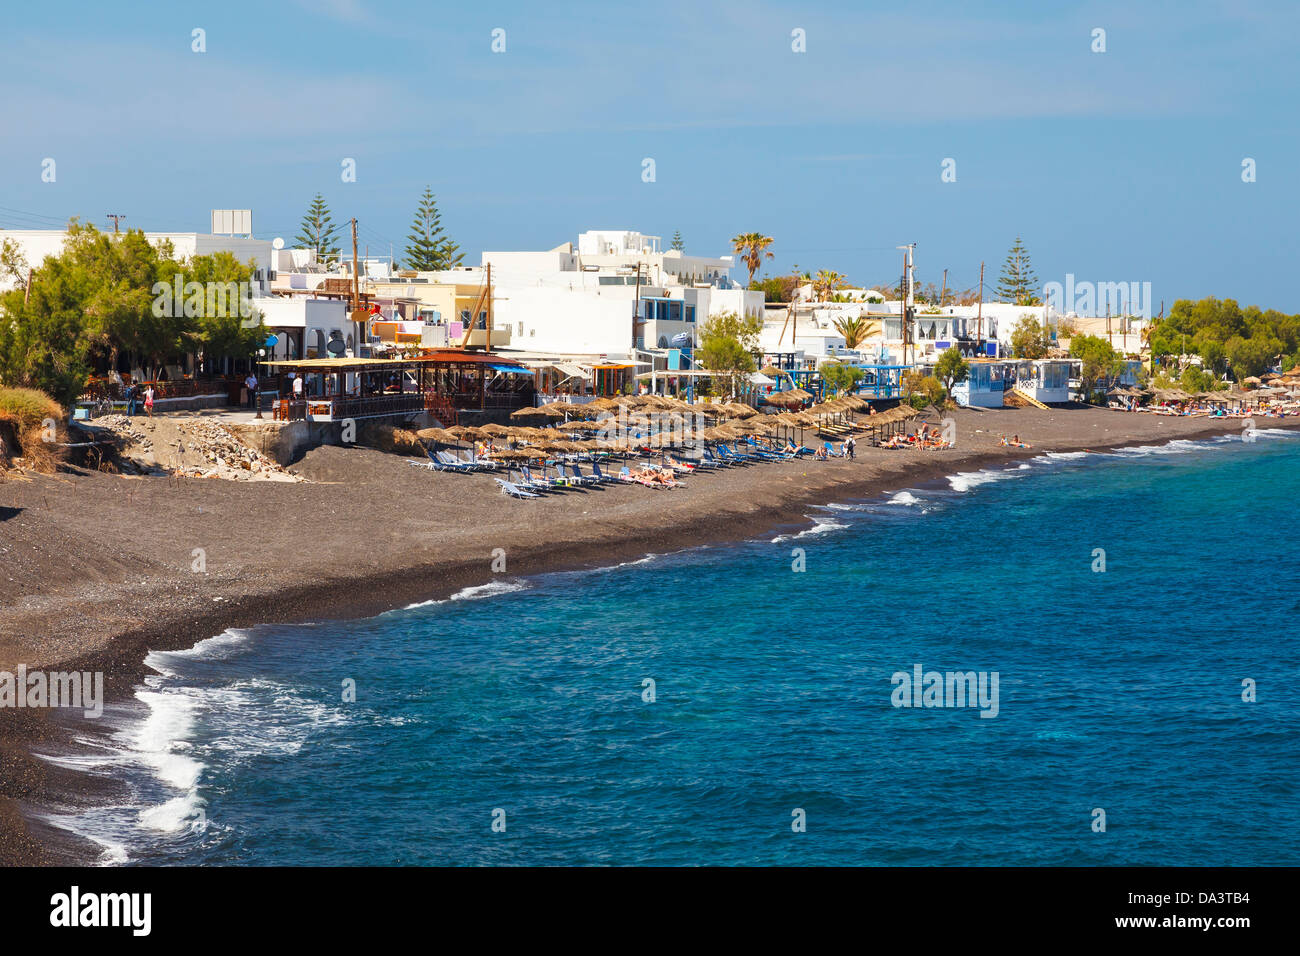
[752, 247]
[853, 329]
[827, 283]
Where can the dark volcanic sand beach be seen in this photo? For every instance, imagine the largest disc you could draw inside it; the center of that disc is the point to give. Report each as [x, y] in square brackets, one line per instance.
[96, 569]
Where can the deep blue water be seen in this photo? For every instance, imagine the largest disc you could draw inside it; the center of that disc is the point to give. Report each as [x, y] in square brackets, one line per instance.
[1120, 690]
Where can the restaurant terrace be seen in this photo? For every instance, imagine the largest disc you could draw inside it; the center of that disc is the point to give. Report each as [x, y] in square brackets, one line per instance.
[443, 383]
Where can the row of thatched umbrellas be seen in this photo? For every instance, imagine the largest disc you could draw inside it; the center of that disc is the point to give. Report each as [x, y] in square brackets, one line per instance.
[1228, 397]
[730, 421]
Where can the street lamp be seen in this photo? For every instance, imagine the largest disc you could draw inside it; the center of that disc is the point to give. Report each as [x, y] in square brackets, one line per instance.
[257, 405]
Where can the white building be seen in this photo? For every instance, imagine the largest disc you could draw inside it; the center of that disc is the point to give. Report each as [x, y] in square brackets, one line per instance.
[612, 293]
[304, 326]
[36, 244]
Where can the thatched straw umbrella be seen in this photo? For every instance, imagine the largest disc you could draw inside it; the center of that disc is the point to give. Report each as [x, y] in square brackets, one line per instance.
[495, 430]
[437, 434]
[736, 410]
[581, 426]
[534, 413]
[784, 399]
[464, 432]
[516, 454]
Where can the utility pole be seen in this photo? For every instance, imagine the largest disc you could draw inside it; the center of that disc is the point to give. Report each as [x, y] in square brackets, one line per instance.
[356, 292]
[115, 217]
[979, 314]
[943, 293]
[908, 300]
[636, 306]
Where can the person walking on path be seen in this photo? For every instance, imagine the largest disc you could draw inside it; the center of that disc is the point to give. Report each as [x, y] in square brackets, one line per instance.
[148, 401]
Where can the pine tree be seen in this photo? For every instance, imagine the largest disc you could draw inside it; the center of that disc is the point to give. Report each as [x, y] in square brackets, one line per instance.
[430, 249]
[1018, 283]
[318, 231]
[678, 244]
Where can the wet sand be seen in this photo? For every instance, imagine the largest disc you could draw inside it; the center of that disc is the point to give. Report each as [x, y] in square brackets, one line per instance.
[96, 570]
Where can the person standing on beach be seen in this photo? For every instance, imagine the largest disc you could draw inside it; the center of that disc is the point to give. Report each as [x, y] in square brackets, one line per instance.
[850, 445]
[129, 395]
[148, 401]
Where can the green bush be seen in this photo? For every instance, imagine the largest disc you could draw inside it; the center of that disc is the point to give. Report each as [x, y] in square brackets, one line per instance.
[26, 407]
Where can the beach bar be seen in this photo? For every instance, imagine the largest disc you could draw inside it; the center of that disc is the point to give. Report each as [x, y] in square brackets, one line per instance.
[441, 382]
[986, 383]
[1044, 380]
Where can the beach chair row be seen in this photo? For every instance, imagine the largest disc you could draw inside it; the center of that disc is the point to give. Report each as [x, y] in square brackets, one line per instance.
[523, 481]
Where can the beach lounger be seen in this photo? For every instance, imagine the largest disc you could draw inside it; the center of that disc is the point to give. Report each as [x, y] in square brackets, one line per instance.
[758, 451]
[729, 454]
[450, 462]
[486, 464]
[437, 464]
[714, 460]
[510, 488]
[545, 482]
[626, 475]
[601, 476]
[526, 483]
[576, 475]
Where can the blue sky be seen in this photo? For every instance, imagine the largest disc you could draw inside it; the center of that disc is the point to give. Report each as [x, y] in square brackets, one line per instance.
[1115, 166]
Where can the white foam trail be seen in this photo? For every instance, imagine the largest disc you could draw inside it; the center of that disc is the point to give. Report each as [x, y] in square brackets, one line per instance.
[646, 560]
[215, 648]
[964, 481]
[162, 736]
[478, 592]
[1179, 446]
[175, 815]
[1064, 455]
[820, 526]
[904, 498]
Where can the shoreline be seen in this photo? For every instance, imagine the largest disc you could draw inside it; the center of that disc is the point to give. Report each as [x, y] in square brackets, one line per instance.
[178, 618]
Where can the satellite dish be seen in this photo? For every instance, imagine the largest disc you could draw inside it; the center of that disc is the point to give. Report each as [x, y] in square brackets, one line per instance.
[336, 347]
[277, 243]
[272, 341]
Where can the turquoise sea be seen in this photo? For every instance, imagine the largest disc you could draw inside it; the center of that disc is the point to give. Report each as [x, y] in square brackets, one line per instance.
[525, 704]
